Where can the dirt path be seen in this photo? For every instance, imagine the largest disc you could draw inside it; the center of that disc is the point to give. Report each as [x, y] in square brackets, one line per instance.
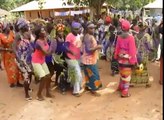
[144, 104]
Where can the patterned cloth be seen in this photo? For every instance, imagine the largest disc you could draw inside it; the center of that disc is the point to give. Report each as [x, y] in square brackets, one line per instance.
[24, 51]
[88, 57]
[125, 53]
[60, 27]
[144, 45]
[92, 77]
[13, 73]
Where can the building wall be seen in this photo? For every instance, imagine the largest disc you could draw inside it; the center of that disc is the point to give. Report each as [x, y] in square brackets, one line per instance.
[29, 15]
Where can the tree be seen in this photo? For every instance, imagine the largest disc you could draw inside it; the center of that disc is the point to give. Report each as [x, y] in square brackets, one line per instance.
[94, 5]
[134, 4]
[41, 5]
[11, 4]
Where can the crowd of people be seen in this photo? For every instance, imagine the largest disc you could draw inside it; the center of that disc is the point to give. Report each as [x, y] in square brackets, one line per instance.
[67, 47]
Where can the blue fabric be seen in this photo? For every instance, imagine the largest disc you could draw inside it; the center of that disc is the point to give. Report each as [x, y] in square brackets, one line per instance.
[49, 57]
[61, 47]
[92, 77]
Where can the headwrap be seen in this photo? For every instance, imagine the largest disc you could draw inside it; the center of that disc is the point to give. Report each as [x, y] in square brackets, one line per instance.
[90, 25]
[40, 21]
[108, 19]
[21, 23]
[125, 25]
[76, 25]
[60, 27]
[121, 20]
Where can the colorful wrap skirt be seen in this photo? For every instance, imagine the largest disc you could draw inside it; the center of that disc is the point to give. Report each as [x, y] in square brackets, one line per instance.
[92, 77]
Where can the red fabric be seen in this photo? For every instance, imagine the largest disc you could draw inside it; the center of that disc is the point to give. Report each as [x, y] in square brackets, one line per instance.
[125, 25]
[136, 28]
[126, 46]
[108, 19]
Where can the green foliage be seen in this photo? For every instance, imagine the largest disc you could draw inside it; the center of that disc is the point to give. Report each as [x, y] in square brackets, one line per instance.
[11, 4]
[97, 4]
[71, 71]
[134, 4]
[41, 3]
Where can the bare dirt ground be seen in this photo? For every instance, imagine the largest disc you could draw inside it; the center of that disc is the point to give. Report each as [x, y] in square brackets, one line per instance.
[144, 103]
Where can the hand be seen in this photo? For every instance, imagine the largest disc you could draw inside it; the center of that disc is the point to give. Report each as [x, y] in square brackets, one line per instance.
[99, 46]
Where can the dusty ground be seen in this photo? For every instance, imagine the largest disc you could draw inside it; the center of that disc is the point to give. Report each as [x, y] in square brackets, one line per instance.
[144, 104]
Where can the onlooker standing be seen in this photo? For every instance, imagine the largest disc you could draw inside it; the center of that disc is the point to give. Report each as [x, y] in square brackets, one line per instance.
[13, 73]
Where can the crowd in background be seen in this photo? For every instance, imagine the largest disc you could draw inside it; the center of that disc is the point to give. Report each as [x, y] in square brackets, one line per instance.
[66, 47]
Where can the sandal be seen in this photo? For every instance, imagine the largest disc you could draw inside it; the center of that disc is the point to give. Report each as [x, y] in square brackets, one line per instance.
[125, 96]
[40, 98]
[76, 94]
[28, 98]
[95, 93]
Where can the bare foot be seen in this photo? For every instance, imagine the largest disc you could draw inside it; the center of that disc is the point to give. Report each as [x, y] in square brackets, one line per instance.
[127, 95]
[40, 98]
[49, 95]
[160, 82]
[96, 93]
[28, 98]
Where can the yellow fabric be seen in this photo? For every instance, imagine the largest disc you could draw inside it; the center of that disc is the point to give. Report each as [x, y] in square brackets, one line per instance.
[40, 70]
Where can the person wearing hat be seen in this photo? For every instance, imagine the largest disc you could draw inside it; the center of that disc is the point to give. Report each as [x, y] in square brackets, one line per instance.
[125, 53]
[144, 43]
[89, 60]
[59, 48]
[106, 36]
[24, 52]
[73, 55]
[13, 73]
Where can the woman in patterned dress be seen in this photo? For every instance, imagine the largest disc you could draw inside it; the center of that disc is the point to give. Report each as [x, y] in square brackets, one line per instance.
[13, 73]
[24, 51]
[125, 53]
[144, 43]
[89, 60]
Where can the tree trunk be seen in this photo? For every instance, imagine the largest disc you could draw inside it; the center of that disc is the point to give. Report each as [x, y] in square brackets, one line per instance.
[98, 9]
[92, 11]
